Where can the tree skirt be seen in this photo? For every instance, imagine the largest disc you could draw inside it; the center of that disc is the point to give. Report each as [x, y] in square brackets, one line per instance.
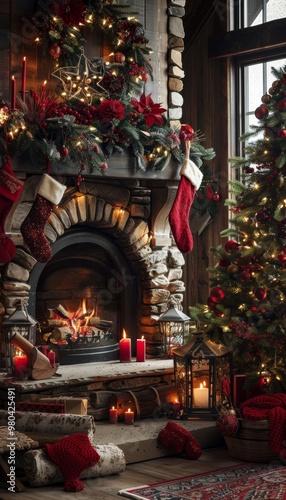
[243, 482]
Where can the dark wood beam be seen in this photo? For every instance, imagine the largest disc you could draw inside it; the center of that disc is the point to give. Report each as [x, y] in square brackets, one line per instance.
[270, 35]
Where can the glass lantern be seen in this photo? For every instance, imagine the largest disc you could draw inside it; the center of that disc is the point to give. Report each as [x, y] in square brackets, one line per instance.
[203, 377]
[22, 323]
[174, 329]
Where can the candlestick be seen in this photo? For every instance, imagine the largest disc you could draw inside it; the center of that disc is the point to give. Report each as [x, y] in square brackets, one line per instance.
[113, 415]
[52, 358]
[129, 417]
[141, 350]
[21, 366]
[125, 349]
[13, 93]
[201, 397]
[24, 67]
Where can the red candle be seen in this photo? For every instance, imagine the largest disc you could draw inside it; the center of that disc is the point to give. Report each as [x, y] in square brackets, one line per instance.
[176, 409]
[113, 415]
[129, 417]
[125, 349]
[13, 93]
[44, 87]
[141, 349]
[24, 67]
[45, 350]
[21, 366]
[52, 358]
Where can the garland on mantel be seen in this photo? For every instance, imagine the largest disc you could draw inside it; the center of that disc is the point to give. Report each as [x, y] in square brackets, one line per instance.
[100, 107]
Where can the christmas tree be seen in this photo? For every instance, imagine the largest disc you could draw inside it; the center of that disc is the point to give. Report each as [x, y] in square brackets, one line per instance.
[246, 308]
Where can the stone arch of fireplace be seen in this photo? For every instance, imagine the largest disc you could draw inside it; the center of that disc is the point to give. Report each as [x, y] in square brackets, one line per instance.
[115, 212]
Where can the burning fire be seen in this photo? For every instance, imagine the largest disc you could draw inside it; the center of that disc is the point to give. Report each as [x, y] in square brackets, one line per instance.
[80, 326]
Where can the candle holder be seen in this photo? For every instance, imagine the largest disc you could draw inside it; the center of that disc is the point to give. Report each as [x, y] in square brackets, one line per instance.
[21, 323]
[174, 329]
[203, 377]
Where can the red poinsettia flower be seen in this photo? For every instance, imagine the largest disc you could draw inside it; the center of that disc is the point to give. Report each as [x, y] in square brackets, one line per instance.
[152, 111]
[71, 12]
[110, 109]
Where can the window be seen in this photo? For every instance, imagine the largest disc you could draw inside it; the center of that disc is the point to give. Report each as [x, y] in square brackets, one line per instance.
[254, 12]
[251, 71]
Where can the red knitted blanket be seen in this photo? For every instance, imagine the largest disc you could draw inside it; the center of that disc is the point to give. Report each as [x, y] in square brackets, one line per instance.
[270, 407]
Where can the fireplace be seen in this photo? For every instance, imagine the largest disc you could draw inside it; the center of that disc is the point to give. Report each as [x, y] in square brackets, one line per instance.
[112, 249]
[85, 296]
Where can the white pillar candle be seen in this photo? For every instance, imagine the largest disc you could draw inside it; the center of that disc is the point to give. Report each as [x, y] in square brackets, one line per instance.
[201, 397]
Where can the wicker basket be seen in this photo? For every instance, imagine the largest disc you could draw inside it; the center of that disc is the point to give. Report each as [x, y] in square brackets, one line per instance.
[251, 443]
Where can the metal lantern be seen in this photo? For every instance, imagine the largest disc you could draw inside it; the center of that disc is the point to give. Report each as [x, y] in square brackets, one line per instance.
[22, 323]
[174, 328]
[203, 376]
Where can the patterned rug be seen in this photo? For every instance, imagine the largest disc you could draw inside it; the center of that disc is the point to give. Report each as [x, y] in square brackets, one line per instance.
[244, 482]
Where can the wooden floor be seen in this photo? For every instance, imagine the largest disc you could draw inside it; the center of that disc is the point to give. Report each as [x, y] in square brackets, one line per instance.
[151, 471]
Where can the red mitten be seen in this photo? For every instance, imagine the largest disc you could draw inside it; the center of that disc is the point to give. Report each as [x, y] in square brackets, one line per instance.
[193, 449]
[191, 178]
[10, 190]
[180, 440]
[173, 437]
[49, 193]
[72, 454]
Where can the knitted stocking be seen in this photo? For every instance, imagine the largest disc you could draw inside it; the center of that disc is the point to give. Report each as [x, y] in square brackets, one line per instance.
[180, 440]
[49, 193]
[191, 178]
[10, 190]
[72, 454]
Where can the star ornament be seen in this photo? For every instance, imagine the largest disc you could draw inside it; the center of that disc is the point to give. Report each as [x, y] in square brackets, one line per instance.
[82, 82]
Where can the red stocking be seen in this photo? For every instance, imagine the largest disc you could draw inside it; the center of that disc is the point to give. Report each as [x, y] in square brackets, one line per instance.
[10, 190]
[190, 181]
[49, 193]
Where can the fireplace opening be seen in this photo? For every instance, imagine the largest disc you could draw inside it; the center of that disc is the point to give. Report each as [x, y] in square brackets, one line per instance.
[84, 298]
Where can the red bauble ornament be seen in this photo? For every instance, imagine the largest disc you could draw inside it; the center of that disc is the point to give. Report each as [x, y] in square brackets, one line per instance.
[217, 294]
[254, 309]
[265, 98]
[227, 424]
[64, 152]
[216, 197]
[55, 50]
[119, 57]
[231, 245]
[260, 293]
[282, 133]
[261, 112]
[281, 106]
[244, 277]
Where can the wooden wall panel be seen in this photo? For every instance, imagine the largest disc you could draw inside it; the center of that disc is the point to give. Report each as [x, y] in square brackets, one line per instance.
[206, 109]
